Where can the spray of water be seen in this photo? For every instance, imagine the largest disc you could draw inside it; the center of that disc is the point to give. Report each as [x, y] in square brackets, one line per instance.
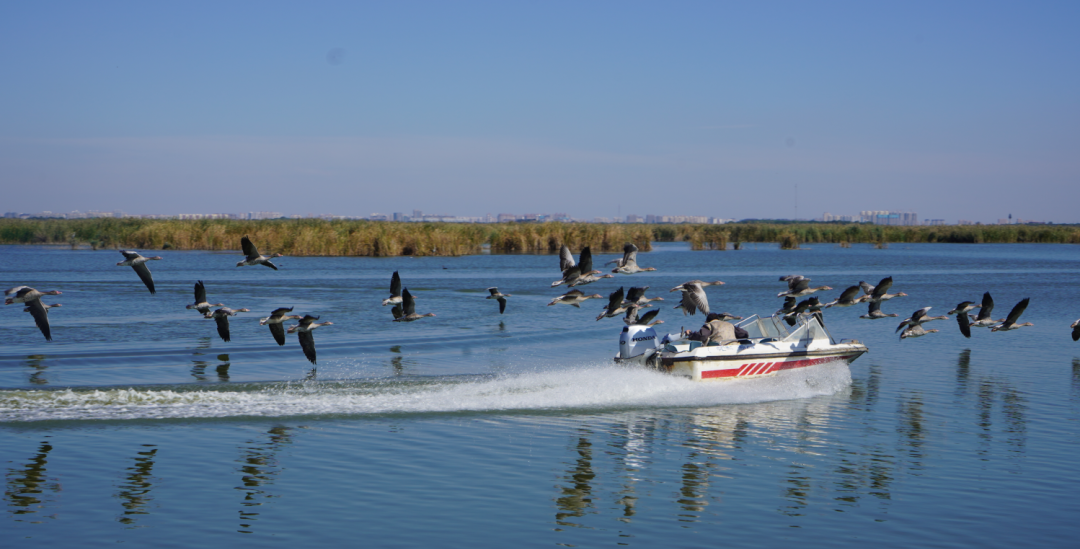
[593, 388]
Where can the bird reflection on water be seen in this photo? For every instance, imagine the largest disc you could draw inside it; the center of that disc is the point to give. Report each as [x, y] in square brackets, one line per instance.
[28, 489]
[135, 490]
[37, 363]
[259, 469]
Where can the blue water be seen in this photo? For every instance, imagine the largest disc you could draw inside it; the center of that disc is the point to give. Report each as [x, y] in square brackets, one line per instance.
[137, 424]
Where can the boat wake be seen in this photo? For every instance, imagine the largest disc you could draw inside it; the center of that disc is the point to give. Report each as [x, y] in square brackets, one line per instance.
[591, 389]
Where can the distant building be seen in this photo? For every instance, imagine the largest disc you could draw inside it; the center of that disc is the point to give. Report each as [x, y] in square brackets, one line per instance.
[830, 217]
[933, 222]
[378, 217]
[965, 222]
[881, 217]
[506, 218]
[632, 218]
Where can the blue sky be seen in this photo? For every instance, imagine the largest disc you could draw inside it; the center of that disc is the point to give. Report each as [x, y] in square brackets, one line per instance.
[954, 110]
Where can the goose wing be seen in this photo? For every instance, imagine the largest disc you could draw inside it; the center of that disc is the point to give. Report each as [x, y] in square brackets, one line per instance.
[882, 287]
[647, 317]
[987, 307]
[222, 326]
[267, 263]
[397, 312]
[307, 343]
[635, 294]
[694, 299]
[408, 305]
[965, 324]
[1076, 330]
[395, 285]
[917, 316]
[585, 261]
[41, 317]
[493, 290]
[280, 311]
[798, 285]
[129, 255]
[200, 292]
[615, 299]
[144, 274]
[866, 287]
[1016, 311]
[248, 248]
[875, 306]
[849, 294]
[502, 304]
[566, 259]
[278, 331]
[629, 255]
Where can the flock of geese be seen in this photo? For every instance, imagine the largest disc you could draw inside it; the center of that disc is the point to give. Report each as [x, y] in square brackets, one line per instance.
[626, 303]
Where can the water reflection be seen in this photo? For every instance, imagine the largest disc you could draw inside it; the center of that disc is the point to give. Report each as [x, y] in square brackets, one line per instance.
[38, 376]
[198, 371]
[1076, 375]
[398, 362]
[259, 468]
[577, 497]
[963, 372]
[27, 488]
[135, 490]
[910, 427]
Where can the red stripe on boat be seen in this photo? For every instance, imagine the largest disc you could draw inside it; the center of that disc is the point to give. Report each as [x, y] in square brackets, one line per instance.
[769, 367]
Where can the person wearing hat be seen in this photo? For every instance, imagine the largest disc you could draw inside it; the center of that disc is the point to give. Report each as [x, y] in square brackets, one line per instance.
[714, 329]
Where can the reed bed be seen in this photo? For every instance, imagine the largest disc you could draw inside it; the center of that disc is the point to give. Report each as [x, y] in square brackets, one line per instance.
[316, 237]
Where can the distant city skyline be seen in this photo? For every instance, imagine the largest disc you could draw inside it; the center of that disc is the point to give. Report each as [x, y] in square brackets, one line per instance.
[878, 217]
[726, 110]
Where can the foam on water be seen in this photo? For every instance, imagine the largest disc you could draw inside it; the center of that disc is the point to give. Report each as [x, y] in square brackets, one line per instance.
[584, 388]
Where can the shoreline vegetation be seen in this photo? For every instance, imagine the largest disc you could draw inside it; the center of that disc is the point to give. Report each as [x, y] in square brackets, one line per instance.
[317, 237]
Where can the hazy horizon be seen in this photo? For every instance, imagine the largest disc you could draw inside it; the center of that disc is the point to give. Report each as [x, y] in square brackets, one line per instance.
[955, 111]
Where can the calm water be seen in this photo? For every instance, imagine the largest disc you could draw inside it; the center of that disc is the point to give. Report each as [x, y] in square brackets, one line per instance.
[474, 429]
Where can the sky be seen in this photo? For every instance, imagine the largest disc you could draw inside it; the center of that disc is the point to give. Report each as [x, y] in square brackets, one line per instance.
[955, 110]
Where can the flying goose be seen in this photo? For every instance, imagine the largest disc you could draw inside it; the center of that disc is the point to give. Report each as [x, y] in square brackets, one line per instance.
[395, 291]
[495, 294]
[1075, 330]
[574, 297]
[303, 333]
[275, 320]
[880, 292]
[875, 312]
[407, 310]
[1014, 315]
[135, 261]
[919, 317]
[253, 256]
[628, 263]
[615, 305]
[985, 320]
[636, 296]
[915, 330]
[699, 283]
[964, 307]
[646, 319]
[693, 299]
[799, 286]
[25, 294]
[847, 298]
[811, 304]
[221, 317]
[40, 312]
[577, 274]
[200, 301]
[789, 305]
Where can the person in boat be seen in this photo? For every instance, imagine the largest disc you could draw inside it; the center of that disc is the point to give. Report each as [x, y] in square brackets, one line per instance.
[716, 329]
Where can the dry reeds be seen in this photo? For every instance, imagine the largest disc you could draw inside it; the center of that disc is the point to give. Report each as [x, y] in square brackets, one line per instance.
[378, 238]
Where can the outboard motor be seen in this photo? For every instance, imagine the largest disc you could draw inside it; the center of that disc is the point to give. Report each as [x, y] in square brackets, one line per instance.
[635, 341]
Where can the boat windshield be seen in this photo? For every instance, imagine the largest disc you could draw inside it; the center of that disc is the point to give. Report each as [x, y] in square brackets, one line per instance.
[757, 327]
[809, 328]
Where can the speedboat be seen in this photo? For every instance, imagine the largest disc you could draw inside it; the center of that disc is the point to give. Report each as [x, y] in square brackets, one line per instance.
[769, 348]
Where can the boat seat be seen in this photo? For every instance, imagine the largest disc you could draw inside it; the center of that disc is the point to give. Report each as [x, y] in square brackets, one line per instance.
[694, 345]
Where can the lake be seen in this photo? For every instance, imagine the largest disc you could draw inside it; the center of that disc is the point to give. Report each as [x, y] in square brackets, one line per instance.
[138, 424]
